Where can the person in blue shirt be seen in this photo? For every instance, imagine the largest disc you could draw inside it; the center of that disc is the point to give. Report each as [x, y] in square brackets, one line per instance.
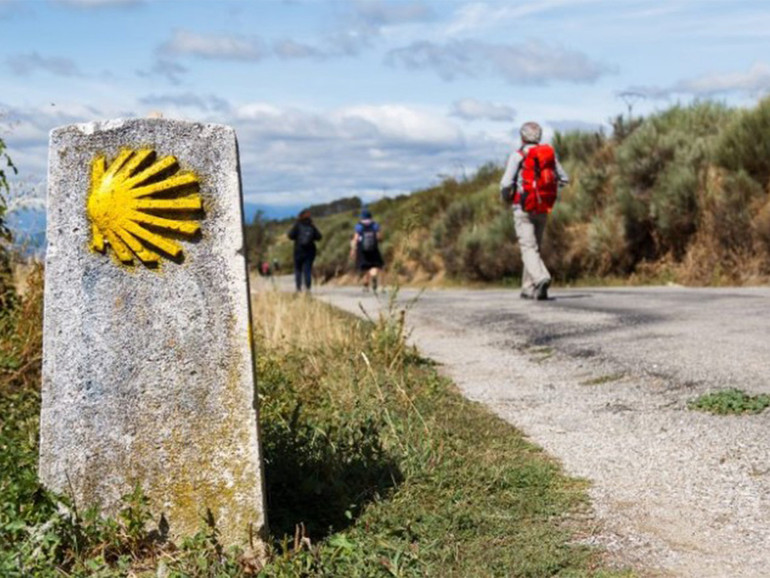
[365, 249]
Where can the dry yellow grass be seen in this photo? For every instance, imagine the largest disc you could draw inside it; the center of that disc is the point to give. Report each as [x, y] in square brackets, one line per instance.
[21, 336]
[297, 321]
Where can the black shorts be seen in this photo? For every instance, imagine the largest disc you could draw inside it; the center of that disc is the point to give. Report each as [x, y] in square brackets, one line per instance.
[366, 260]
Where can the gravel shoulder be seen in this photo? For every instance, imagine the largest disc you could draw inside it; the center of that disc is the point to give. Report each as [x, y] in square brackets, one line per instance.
[600, 378]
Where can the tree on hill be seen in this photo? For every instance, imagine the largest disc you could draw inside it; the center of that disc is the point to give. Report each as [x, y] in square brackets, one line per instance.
[335, 207]
[258, 239]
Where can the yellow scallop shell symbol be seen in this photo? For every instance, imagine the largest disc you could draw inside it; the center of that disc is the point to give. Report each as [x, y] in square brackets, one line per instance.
[139, 205]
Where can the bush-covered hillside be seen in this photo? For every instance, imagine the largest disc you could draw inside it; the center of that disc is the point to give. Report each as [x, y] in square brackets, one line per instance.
[682, 195]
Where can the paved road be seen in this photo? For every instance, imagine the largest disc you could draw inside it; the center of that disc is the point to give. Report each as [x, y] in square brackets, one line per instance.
[601, 379]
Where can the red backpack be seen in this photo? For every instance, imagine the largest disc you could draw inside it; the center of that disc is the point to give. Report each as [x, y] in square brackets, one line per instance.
[538, 178]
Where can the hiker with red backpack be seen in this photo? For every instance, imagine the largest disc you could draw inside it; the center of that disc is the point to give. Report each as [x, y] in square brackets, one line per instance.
[531, 184]
[365, 249]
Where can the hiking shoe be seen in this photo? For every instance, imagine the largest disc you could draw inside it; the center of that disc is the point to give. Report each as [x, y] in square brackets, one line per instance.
[541, 290]
[526, 295]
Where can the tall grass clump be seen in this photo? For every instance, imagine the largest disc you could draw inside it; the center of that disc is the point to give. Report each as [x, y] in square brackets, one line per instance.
[21, 336]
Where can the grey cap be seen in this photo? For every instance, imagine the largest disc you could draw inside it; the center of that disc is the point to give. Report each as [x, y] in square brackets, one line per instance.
[531, 132]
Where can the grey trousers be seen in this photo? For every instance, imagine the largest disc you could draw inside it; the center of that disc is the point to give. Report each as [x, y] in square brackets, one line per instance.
[529, 231]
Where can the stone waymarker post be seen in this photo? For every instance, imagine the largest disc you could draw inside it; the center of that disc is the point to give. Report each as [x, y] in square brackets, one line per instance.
[148, 374]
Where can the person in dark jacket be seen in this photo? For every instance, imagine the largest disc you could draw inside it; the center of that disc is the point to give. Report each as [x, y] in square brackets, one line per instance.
[365, 249]
[304, 234]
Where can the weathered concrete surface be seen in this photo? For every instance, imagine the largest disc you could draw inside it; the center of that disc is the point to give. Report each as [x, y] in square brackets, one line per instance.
[148, 374]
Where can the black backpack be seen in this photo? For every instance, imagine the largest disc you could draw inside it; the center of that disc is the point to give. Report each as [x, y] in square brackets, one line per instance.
[305, 235]
[368, 238]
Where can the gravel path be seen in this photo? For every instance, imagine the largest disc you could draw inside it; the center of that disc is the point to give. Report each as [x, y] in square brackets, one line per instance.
[600, 378]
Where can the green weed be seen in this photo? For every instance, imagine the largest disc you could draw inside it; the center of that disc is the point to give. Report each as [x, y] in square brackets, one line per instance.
[541, 354]
[602, 379]
[730, 401]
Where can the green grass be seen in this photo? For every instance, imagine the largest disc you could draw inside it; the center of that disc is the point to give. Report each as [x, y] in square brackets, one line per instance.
[730, 401]
[375, 466]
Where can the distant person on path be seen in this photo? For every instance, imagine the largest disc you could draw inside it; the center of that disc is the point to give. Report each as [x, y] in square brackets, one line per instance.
[365, 249]
[304, 234]
[530, 183]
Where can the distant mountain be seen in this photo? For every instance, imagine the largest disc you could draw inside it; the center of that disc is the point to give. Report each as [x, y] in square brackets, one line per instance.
[272, 213]
[269, 212]
[28, 228]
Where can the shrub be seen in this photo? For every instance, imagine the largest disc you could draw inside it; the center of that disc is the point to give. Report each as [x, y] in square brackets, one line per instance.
[578, 146]
[674, 209]
[588, 193]
[730, 209]
[745, 143]
[761, 227]
[660, 167]
[622, 128]
[489, 252]
[607, 245]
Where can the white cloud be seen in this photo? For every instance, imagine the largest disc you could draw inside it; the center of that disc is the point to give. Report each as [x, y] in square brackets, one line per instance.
[478, 16]
[256, 110]
[363, 22]
[527, 63]
[213, 46]
[387, 126]
[26, 64]
[187, 100]
[11, 9]
[289, 49]
[375, 14]
[402, 124]
[472, 109]
[292, 156]
[567, 125]
[29, 127]
[755, 81]
[164, 68]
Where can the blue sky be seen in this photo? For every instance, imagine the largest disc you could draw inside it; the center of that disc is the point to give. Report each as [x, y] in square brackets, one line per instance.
[369, 97]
